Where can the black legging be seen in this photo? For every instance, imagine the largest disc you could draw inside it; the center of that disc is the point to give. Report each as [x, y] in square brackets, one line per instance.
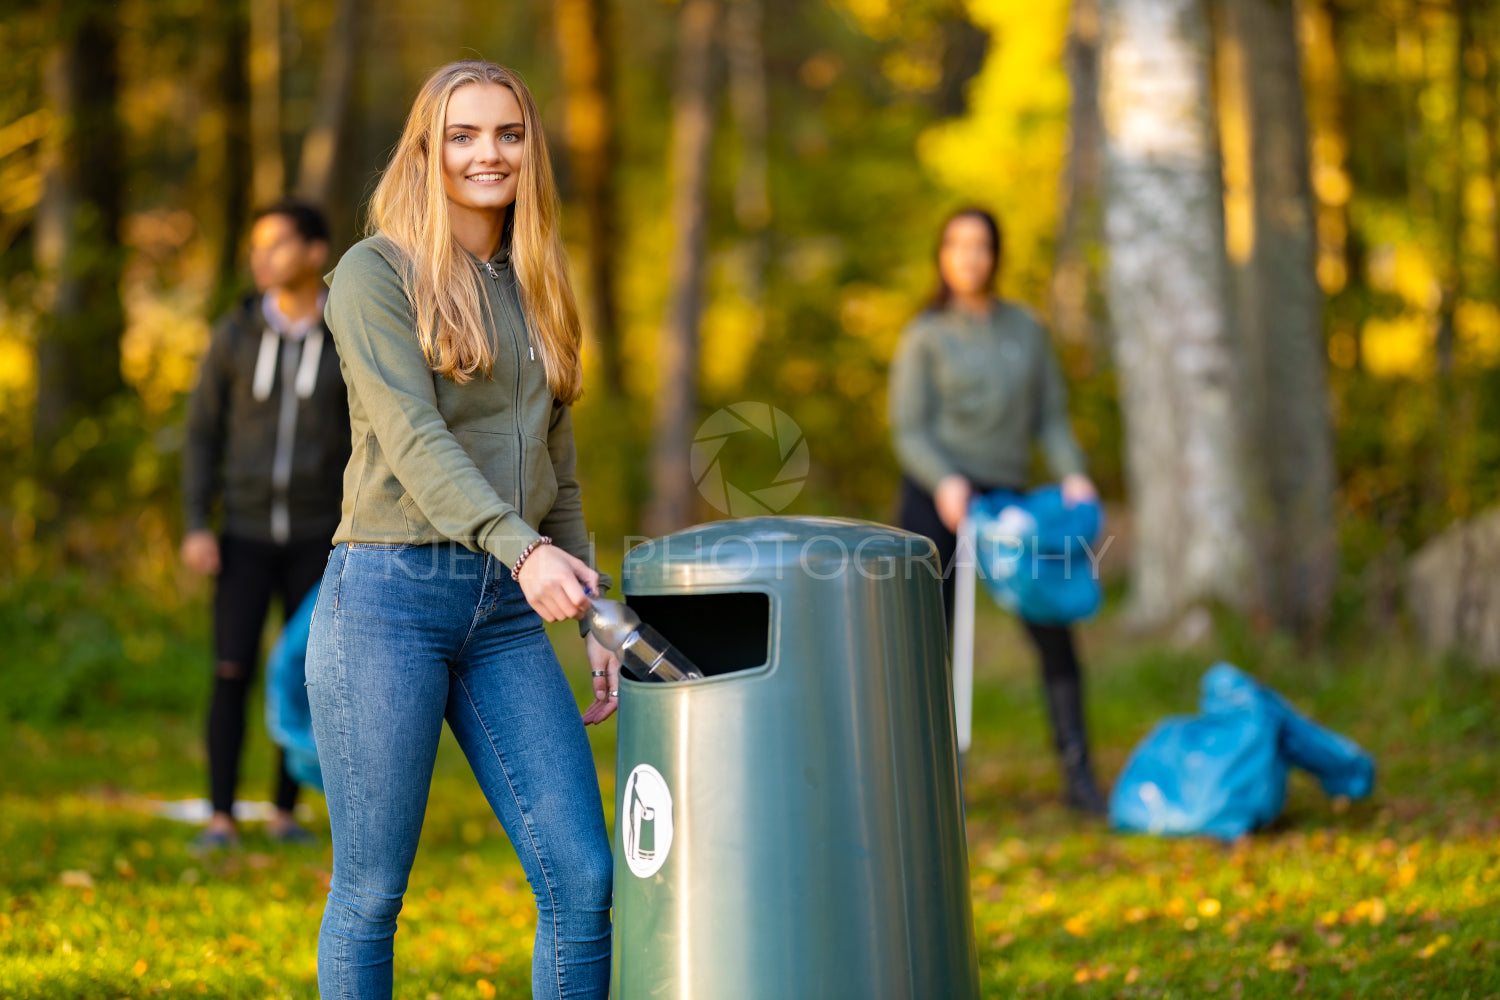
[1054, 643]
[250, 573]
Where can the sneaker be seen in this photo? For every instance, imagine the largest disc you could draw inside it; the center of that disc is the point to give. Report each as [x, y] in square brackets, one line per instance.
[216, 840]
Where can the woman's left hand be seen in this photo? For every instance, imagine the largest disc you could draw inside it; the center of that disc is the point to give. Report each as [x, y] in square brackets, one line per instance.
[1077, 489]
[606, 686]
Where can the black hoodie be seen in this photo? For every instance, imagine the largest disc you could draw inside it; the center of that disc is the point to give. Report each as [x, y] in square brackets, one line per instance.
[236, 419]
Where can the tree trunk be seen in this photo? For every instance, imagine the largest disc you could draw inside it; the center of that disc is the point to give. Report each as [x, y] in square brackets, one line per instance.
[748, 98]
[320, 146]
[1075, 291]
[585, 49]
[1490, 88]
[1167, 289]
[230, 187]
[1279, 308]
[268, 170]
[1411, 80]
[1341, 250]
[677, 390]
[1452, 218]
[77, 241]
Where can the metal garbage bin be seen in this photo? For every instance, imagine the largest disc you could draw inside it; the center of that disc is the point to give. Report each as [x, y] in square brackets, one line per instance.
[790, 825]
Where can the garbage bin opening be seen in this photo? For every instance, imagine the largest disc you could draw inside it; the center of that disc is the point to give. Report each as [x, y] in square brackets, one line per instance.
[720, 633]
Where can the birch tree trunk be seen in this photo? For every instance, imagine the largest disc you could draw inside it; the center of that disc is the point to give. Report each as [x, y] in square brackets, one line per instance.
[77, 235]
[1167, 290]
[677, 389]
[1279, 307]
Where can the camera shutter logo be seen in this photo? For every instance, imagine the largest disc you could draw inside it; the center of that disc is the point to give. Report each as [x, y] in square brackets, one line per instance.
[708, 471]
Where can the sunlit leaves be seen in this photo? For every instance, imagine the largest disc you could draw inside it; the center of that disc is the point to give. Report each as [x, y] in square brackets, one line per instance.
[1008, 147]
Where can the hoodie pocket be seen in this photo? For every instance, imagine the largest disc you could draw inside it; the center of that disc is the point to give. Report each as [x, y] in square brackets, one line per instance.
[494, 454]
[411, 517]
[541, 479]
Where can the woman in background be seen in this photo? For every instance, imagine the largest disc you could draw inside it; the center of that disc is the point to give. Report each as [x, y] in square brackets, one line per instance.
[974, 384]
[462, 532]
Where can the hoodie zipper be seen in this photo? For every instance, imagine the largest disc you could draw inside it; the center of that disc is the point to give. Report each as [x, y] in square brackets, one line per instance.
[529, 349]
[516, 406]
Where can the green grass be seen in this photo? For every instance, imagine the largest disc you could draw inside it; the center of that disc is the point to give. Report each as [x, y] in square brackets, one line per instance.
[1394, 897]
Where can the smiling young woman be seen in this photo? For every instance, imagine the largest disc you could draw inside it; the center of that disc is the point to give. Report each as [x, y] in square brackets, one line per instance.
[462, 531]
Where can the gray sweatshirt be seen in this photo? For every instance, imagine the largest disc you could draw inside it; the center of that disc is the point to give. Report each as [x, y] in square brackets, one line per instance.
[969, 395]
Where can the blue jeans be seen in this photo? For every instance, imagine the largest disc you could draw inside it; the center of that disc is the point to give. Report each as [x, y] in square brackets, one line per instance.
[404, 637]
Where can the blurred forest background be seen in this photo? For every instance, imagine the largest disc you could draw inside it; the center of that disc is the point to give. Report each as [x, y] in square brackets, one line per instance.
[1264, 233]
[1266, 236]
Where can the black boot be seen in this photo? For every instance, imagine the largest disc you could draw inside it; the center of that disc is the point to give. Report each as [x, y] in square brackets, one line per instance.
[1065, 705]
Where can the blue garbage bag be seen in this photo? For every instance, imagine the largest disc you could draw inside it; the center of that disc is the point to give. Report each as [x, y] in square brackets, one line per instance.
[288, 716]
[1341, 765]
[1223, 772]
[1035, 553]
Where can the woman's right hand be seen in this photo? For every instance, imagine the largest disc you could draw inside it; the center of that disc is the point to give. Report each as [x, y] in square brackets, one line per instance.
[557, 585]
[951, 498]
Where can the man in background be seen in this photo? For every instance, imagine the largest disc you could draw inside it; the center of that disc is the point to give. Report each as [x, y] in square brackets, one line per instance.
[267, 441]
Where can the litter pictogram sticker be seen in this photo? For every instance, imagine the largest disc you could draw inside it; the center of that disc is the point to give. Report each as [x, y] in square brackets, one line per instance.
[648, 821]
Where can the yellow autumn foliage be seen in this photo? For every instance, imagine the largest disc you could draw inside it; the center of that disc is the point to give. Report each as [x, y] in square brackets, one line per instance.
[1007, 151]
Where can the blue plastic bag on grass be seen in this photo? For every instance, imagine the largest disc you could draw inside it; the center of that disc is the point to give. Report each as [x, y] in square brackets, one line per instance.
[1223, 772]
[1035, 553]
[288, 716]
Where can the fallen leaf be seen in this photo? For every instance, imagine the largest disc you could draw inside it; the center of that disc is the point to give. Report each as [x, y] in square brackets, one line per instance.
[1438, 944]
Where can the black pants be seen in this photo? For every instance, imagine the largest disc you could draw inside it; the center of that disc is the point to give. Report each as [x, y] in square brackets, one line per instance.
[250, 573]
[1054, 643]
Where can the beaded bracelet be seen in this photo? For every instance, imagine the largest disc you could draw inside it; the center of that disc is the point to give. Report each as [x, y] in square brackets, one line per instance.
[515, 571]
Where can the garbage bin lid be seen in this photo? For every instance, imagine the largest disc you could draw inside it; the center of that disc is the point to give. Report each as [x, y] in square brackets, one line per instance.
[752, 551]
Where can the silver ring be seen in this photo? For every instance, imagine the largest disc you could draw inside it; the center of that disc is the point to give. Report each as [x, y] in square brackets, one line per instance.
[614, 694]
[598, 673]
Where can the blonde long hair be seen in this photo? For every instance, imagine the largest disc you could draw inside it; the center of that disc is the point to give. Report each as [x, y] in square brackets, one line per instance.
[410, 208]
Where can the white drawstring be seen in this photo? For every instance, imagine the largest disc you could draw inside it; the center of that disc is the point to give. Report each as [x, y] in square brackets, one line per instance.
[307, 368]
[307, 371]
[265, 365]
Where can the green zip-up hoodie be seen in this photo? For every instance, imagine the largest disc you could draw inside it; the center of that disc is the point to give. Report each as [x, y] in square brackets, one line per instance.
[489, 464]
[970, 394]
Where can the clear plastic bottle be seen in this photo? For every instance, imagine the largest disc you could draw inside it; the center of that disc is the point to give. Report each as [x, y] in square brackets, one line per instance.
[641, 649]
